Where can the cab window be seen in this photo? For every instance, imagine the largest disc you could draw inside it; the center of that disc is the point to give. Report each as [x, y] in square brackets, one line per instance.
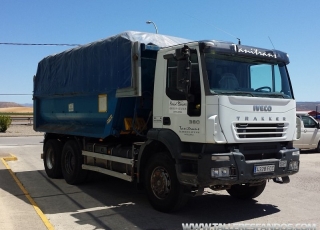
[308, 122]
[174, 92]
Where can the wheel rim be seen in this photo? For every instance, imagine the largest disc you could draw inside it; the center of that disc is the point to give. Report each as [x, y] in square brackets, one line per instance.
[69, 162]
[160, 182]
[50, 159]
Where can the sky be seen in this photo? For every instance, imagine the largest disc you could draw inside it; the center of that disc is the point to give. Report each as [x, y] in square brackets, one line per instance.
[289, 26]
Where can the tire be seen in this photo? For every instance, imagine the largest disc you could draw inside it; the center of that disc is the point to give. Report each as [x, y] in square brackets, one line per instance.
[164, 191]
[318, 147]
[71, 162]
[245, 191]
[52, 158]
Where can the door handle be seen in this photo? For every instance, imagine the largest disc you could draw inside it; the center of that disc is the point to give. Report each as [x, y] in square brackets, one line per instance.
[166, 121]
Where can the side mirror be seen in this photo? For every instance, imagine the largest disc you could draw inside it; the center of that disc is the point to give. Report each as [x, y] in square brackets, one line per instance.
[184, 76]
[183, 69]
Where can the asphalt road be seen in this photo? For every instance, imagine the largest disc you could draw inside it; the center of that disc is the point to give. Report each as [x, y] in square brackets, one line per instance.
[109, 203]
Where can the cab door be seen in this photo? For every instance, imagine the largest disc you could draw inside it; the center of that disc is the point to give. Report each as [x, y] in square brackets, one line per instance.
[310, 134]
[182, 107]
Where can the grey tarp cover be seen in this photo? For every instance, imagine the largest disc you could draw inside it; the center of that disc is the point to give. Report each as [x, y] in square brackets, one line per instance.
[98, 67]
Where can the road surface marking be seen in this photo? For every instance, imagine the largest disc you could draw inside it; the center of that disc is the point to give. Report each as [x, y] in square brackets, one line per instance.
[32, 202]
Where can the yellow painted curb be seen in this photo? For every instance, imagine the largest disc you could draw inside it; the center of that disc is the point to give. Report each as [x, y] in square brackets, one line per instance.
[32, 202]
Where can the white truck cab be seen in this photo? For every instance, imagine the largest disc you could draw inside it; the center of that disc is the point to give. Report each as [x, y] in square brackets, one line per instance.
[310, 132]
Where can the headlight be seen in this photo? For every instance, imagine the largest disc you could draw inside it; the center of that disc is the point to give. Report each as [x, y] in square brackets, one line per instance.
[220, 172]
[296, 153]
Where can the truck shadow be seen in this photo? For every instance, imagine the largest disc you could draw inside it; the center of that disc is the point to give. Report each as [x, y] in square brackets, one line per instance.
[109, 203]
[104, 200]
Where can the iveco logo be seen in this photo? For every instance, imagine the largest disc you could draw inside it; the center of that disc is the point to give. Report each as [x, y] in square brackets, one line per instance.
[267, 108]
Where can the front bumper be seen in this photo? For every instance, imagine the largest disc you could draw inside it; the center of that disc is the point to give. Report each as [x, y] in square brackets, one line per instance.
[240, 169]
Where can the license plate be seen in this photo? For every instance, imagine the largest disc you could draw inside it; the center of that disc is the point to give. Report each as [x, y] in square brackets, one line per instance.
[282, 164]
[263, 168]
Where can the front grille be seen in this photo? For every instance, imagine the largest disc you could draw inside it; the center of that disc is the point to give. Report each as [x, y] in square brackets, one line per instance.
[260, 130]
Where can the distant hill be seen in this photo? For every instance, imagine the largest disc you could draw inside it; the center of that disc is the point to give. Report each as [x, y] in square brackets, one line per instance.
[306, 106]
[9, 104]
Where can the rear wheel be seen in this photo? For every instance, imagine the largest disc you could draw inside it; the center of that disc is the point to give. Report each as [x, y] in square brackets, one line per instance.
[52, 158]
[244, 191]
[71, 162]
[164, 191]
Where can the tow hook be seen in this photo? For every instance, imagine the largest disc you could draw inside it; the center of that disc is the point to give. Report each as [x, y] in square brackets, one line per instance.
[281, 180]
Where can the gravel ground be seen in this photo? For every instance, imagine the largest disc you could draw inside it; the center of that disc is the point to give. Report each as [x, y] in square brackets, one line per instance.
[20, 130]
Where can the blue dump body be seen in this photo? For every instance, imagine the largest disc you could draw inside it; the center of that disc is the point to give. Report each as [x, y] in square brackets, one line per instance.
[75, 92]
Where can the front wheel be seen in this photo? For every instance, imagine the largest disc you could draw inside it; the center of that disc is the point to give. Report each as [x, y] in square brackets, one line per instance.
[164, 191]
[244, 191]
[71, 162]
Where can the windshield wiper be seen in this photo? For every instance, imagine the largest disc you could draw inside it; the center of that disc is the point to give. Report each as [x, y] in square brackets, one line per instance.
[241, 93]
[275, 95]
[252, 94]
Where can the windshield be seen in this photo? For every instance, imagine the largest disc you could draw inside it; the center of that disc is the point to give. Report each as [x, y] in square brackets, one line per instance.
[246, 77]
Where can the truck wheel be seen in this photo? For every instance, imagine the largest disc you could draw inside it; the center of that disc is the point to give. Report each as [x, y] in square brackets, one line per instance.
[164, 191]
[245, 191]
[52, 158]
[71, 162]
